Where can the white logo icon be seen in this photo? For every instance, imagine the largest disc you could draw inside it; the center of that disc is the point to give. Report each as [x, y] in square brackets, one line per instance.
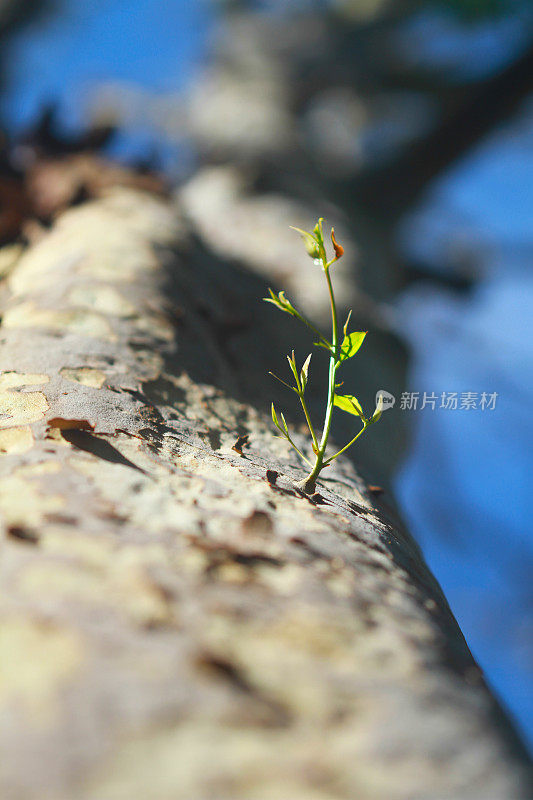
[387, 399]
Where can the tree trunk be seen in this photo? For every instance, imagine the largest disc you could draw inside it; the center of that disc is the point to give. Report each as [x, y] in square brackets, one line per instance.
[178, 621]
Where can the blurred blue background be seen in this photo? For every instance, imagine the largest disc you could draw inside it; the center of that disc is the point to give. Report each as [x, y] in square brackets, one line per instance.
[465, 481]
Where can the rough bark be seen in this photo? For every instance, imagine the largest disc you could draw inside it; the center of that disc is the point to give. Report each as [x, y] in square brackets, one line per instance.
[177, 620]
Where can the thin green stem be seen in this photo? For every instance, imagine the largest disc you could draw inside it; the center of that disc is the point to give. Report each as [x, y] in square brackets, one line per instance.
[311, 327]
[332, 364]
[298, 449]
[329, 406]
[308, 484]
[314, 243]
[331, 458]
[309, 481]
[282, 381]
[309, 424]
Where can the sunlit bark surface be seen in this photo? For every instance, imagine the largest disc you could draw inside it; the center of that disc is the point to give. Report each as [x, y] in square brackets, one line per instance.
[177, 620]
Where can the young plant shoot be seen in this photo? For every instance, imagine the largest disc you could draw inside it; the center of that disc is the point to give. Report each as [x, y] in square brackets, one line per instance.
[343, 346]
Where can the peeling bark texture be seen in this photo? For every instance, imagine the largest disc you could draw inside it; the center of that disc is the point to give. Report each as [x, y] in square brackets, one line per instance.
[178, 622]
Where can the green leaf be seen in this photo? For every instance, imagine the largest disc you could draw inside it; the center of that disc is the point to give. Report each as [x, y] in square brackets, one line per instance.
[300, 387]
[305, 371]
[283, 382]
[345, 329]
[351, 344]
[379, 410]
[281, 302]
[350, 404]
[292, 364]
[319, 236]
[310, 242]
[326, 345]
[282, 427]
[274, 416]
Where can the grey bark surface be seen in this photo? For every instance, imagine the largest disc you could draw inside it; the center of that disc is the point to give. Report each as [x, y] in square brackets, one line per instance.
[178, 622]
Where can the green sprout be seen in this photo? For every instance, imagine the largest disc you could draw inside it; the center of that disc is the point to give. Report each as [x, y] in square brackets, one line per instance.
[340, 348]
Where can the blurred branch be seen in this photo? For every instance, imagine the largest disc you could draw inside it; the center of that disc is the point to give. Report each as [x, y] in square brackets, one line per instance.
[478, 111]
[16, 12]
